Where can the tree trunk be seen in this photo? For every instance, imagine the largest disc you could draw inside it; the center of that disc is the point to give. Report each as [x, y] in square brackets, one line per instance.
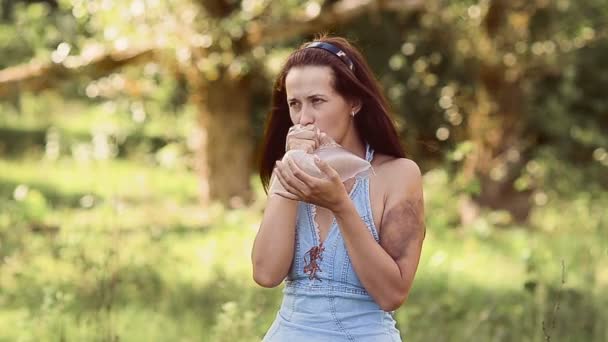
[224, 158]
[496, 129]
[495, 126]
[502, 146]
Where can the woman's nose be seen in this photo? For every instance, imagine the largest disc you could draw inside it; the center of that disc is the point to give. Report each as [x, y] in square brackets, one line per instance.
[306, 117]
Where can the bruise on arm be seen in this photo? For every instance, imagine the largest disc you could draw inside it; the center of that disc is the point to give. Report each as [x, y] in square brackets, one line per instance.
[403, 228]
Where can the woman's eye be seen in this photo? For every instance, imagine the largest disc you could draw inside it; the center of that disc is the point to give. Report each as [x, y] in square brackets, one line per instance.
[317, 100]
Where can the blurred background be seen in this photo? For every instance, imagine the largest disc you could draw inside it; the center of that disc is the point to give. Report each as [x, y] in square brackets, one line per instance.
[129, 132]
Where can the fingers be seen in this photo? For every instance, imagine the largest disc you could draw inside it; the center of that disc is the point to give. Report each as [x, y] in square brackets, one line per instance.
[288, 180]
[279, 190]
[326, 169]
[302, 138]
[303, 135]
[298, 144]
[298, 127]
[302, 176]
[285, 194]
[281, 177]
[325, 140]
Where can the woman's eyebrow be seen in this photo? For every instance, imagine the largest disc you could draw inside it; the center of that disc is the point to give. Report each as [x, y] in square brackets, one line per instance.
[309, 96]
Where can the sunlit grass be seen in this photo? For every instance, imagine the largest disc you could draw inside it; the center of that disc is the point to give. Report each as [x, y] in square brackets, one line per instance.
[144, 261]
[134, 181]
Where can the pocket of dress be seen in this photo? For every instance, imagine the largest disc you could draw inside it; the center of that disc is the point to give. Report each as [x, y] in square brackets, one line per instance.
[287, 307]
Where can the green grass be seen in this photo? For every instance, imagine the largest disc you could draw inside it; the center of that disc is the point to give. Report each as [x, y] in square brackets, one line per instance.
[143, 262]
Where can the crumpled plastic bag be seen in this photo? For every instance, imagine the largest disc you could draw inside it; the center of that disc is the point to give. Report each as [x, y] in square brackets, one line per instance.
[346, 163]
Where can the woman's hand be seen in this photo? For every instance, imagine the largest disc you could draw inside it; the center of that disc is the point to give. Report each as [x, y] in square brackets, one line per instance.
[302, 138]
[327, 192]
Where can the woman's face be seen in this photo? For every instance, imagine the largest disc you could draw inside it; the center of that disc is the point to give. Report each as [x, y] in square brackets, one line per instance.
[313, 100]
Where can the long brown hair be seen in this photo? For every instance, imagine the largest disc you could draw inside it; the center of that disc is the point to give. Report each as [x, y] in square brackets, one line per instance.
[373, 121]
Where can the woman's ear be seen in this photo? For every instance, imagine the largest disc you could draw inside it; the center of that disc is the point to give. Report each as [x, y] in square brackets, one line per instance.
[356, 106]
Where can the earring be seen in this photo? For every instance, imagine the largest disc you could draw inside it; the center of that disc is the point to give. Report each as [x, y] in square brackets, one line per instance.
[353, 113]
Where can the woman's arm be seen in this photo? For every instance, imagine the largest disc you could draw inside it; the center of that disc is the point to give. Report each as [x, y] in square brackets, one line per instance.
[387, 270]
[273, 247]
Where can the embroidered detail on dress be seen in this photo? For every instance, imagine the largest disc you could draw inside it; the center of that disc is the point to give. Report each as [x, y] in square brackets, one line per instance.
[311, 266]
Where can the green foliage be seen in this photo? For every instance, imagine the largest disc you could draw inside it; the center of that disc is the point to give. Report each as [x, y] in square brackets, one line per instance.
[570, 117]
[31, 205]
[32, 30]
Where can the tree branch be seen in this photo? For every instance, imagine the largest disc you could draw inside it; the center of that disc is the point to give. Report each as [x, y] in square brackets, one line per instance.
[340, 12]
[36, 76]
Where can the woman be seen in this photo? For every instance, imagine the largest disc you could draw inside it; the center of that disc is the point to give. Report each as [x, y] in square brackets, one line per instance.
[349, 250]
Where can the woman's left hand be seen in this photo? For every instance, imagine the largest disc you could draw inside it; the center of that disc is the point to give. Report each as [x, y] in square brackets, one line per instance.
[328, 192]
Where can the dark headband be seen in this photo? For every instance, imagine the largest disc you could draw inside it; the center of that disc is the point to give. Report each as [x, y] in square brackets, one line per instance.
[334, 50]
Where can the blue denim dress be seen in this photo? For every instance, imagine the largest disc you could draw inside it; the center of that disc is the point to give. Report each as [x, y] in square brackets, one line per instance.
[323, 299]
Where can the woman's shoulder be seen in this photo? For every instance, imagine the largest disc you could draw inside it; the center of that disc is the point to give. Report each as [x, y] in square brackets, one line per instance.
[389, 164]
[399, 172]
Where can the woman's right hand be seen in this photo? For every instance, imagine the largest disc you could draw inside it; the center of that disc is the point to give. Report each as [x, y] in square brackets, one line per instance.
[302, 138]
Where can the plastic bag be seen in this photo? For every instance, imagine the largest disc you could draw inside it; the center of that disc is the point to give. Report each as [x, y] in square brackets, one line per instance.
[346, 163]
